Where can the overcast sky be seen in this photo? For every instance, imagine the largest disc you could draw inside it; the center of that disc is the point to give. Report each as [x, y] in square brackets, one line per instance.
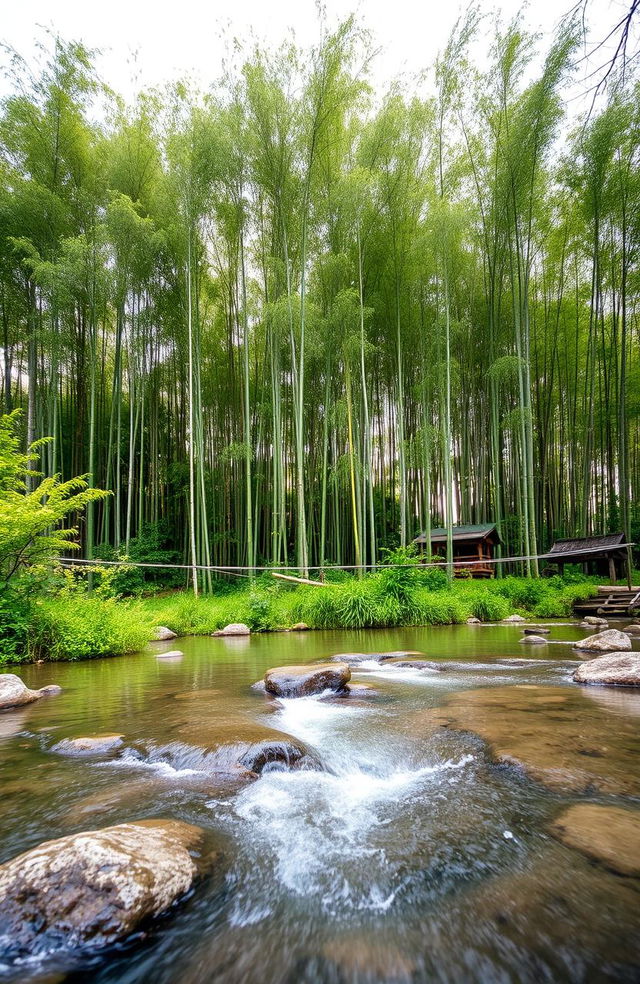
[145, 43]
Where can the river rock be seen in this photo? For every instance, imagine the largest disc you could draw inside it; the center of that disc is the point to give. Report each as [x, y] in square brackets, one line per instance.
[95, 745]
[234, 629]
[594, 620]
[418, 664]
[162, 634]
[95, 887]
[534, 640]
[536, 630]
[14, 692]
[473, 621]
[609, 641]
[302, 681]
[300, 627]
[609, 834]
[51, 690]
[632, 630]
[352, 659]
[613, 670]
[172, 654]
[514, 618]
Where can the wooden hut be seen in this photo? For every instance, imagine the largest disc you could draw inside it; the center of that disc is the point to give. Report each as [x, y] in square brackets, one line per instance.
[471, 546]
[597, 554]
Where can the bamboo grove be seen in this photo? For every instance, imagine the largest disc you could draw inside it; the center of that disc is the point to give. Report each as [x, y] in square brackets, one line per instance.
[290, 322]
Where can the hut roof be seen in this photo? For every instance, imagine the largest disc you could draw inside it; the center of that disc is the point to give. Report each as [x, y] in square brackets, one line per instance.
[584, 547]
[462, 534]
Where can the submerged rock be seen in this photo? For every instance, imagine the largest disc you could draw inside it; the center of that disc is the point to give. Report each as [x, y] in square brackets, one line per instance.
[172, 654]
[613, 670]
[162, 634]
[533, 640]
[96, 745]
[555, 735]
[234, 629]
[514, 618]
[632, 630]
[353, 659]
[609, 834]
[418, 664]
[536, 630]
[15, 693]
[94, 887]
[609, 641]
[303, 681]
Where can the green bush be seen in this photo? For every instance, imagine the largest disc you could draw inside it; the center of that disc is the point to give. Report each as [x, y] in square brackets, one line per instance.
[83, 627]
[15, 619]
[400, 582]
[487, 605]
[434, 578]
[522, 592]
[437, 608]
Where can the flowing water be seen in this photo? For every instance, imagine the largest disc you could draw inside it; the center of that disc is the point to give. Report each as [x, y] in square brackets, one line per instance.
[400, 852]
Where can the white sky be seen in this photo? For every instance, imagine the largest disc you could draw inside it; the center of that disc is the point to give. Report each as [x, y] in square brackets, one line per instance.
[148, 42]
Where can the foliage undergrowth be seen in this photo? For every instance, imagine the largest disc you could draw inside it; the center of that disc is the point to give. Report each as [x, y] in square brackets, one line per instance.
[62, 621]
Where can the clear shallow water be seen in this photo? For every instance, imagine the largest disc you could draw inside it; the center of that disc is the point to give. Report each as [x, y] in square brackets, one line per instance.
[405, 855]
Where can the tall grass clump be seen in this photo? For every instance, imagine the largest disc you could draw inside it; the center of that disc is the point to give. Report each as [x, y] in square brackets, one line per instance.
[85, 627]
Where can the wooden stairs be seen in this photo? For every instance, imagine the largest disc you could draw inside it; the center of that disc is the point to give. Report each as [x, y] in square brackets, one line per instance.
[611, 600]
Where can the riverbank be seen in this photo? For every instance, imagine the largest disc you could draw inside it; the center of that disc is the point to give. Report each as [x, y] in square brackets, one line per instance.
[72, 624]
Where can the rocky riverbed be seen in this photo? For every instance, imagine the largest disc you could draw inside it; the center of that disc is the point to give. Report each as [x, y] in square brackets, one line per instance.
[425, 804]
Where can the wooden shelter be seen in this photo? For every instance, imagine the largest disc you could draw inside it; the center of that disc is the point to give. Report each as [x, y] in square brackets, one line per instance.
[597, 553]
[471, 546]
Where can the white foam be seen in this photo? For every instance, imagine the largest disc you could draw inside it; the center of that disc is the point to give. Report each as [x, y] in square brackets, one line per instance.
[163, 769]
[316, 829]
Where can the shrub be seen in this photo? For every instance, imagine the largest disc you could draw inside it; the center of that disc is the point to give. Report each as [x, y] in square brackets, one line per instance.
[437, 608]
[78, 627]
[434, 578]
[522, 592]
[487, 605]
[15, 619]
[400, 581]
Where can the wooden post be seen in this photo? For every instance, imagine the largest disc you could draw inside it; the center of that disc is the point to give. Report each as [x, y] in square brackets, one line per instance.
[629, 565]
[612, 570]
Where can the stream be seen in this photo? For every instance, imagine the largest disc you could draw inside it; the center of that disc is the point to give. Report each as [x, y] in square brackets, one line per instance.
[404, 850]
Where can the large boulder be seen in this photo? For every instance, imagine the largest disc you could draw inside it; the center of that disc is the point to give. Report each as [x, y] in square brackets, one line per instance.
[94, 887]
[302, 681]
[162, 634]
[609, 834]
[609, 641]
[14, 692]
[90, 745]
[234, 629]
[613, 670]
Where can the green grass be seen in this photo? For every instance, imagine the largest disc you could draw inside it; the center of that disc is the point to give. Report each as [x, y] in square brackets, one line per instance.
[73, 625]
[77, 627]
